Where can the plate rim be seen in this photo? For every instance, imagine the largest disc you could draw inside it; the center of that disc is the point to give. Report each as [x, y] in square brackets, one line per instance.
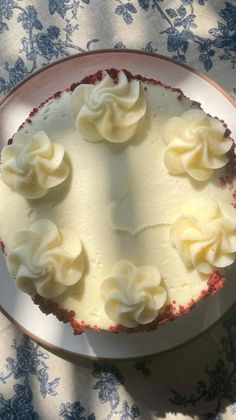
[70, 355]
[57, 350]
[120, 51]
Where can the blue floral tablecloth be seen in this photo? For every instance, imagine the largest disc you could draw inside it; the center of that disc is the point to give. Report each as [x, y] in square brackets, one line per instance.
[198, 380]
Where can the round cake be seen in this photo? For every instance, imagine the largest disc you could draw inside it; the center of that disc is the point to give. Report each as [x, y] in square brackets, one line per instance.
[118, 203]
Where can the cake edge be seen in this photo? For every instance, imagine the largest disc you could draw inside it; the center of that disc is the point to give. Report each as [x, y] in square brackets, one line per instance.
[215, 282]
[113, 73]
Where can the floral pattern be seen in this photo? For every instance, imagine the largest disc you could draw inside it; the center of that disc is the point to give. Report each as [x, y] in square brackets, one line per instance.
[181, 23]
[29, 361]
[19, 406]
[74, 411]
[178, 32]
[221, 382]
[32, 381]
[107, 385]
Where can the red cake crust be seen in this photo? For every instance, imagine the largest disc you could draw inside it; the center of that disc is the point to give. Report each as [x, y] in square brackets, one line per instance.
[170, 312]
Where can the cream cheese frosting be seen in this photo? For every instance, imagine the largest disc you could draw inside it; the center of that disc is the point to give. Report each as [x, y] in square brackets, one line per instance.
[33, 164]
[196, 144]
[121, 201]
[133, 295]
[44, 259]
[109, 110]
[205, 235]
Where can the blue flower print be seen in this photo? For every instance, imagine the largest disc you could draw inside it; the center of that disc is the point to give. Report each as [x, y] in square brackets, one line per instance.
[53, 32]
[178, 42]
[126, 10]
[30, 360]
[74, 411]
[109, 379]
[229, 15]
[144, 4]
[41, 45]
[46, 387]
[129, 413]
[27, 360]
[150, 48]
[29, 19]
[206, 53]
[187, 2]
[63, 6]
[58, 6]
[47, 45]
[19, 407]
[181, 21]
[18, 72]
[6, 11]
[171, 12]
[4, 85]
[119, 45]
[225, 34]
[220, 385]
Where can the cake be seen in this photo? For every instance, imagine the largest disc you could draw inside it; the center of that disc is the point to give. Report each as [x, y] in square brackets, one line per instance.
[117, 203]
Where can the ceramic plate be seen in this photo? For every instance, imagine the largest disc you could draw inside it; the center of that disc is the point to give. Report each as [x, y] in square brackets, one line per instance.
[15, 108]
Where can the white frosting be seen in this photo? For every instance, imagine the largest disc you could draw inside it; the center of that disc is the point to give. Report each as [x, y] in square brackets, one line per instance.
[205, 235]
[120, 201]
[195, 144]
[107, 110]
[33, 164]
[133, 295]
[44, 259]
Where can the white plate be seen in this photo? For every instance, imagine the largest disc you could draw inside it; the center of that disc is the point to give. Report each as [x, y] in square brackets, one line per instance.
[18, 306]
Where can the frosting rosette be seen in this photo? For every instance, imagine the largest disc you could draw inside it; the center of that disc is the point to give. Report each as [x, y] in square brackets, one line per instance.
[133, 295]
[205, 235]
[109, 110]
[31, 165]
[45, 260]
[196, 144]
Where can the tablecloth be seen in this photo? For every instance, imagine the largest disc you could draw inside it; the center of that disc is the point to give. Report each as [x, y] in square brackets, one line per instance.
[197, 380]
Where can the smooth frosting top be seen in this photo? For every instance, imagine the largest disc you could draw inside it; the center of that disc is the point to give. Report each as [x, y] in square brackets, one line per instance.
[195, 144]
[109, 110]
[133, 295]
[205, 235]
[33, 164]
[44, 259]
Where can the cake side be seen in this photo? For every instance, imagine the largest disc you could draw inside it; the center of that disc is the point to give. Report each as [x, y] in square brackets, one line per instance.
[169, 313]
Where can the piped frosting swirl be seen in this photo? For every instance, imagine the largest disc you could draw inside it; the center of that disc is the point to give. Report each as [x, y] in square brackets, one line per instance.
[196, 144]
[44, 259]
[133, 295]
[205, 235]
[32, 165]
[109, 110]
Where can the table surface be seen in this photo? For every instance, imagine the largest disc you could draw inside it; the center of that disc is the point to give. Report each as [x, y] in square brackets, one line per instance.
[197, 380]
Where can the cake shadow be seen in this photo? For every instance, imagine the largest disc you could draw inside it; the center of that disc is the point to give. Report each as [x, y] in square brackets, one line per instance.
[186, 381]
[138, 137]
[141, 132]
[201, 185]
